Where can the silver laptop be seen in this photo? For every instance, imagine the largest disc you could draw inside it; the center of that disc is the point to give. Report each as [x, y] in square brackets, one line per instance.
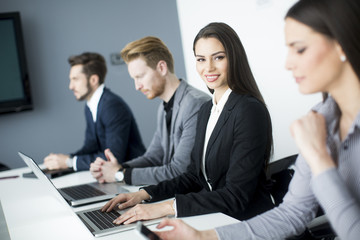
[4, 231]
[83, 194]
[97, 222]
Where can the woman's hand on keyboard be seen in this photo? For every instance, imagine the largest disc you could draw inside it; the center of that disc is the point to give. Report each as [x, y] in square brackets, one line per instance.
[146, 212]
[125, 200]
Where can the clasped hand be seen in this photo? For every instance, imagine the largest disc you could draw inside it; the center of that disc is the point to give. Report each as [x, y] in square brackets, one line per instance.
[104, 171]
[56, 161]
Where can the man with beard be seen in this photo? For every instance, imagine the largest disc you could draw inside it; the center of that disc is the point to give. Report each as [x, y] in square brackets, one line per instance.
[110, 122]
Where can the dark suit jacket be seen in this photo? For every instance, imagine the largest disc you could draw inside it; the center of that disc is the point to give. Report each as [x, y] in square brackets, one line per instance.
[115, 128]
[234, 164]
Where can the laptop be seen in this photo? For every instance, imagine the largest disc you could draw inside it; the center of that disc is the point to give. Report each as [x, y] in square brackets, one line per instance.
[4, 231]
[97, 222]
[83, 194]
[50, 173]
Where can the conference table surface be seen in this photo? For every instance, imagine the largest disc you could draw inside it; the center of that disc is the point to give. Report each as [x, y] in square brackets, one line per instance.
[32, 213]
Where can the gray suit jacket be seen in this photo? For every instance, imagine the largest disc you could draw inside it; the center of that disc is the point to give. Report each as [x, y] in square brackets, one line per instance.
[168, 156]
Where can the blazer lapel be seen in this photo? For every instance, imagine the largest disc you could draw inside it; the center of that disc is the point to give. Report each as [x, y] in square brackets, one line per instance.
[226, 112]
[90, 120]
[101, 102]
[201, 130]
[98, 114]
[165, 137]
[179, 94]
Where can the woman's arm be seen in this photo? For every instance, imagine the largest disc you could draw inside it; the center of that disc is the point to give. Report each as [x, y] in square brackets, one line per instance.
[182, 231]
[335, 197]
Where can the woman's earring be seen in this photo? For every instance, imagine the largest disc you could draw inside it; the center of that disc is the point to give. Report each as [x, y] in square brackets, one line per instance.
[343, 58]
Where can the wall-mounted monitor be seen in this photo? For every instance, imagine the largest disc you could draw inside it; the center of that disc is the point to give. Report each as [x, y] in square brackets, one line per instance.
[15, 92]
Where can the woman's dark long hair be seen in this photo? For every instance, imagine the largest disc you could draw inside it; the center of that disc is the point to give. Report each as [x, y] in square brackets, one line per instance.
[336, 19]
[240, 77]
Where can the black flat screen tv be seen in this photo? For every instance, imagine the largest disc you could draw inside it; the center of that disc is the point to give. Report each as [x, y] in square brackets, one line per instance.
[15, 92]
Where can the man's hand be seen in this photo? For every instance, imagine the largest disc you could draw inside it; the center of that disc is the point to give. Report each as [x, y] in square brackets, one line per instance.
[95, 169]
[104, 171]
[56, 161]
[110, 167]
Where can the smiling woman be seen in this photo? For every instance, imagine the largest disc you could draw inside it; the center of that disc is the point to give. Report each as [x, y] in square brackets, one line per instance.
[233, 142]
[211, 64]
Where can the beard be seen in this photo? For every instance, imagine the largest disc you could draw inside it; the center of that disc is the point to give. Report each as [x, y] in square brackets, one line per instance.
[157, 89]
[88, 92]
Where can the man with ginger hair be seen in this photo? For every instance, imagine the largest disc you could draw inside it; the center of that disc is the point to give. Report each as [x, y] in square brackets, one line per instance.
[151, 65]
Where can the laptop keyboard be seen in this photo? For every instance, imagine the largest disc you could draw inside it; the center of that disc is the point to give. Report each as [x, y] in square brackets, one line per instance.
[82, 192]
[103, 220]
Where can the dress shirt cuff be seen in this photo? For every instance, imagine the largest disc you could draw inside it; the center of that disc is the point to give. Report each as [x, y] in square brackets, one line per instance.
[69, 162]
[127, 175]
[74, 162]
[174, 207]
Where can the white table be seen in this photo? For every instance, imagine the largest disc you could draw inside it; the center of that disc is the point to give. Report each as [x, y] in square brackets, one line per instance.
[31, 213]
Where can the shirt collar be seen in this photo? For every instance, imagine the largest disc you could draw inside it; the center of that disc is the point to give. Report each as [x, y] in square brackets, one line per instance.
[168, 105]
[330, 110]
[220, 105]
[94, 101]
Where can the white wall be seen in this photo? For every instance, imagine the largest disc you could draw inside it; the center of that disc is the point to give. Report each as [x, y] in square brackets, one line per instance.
[259, 24]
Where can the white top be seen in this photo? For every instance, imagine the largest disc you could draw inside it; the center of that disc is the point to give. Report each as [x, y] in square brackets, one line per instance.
[94, 101]
[214, 116]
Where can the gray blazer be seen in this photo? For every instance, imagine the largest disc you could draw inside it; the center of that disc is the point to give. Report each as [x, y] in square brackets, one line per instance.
[169, 156]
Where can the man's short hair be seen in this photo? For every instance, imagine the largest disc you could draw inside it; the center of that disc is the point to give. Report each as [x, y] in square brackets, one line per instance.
[93, 63]
[151, 49]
